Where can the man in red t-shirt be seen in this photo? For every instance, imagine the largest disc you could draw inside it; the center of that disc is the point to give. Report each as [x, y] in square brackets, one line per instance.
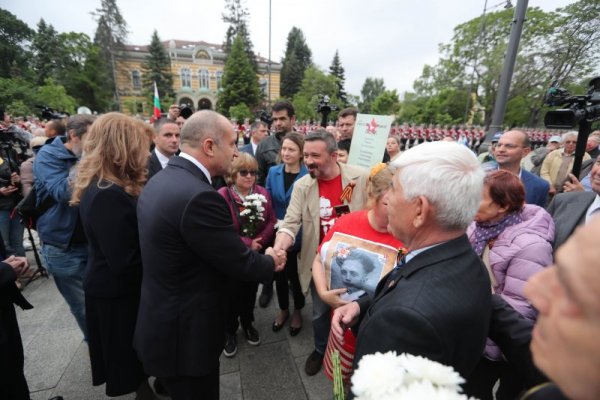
[317, 200]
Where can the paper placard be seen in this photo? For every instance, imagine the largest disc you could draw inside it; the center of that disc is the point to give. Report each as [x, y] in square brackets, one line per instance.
[369, 139]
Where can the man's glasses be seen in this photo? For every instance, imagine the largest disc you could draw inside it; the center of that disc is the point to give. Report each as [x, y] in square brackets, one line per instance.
[570, 142]
[245, 173]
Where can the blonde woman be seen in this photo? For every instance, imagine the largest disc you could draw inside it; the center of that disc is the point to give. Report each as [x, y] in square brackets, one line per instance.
[110, 178]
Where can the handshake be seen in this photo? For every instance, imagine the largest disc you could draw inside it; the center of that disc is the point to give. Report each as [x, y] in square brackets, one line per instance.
[279, 256]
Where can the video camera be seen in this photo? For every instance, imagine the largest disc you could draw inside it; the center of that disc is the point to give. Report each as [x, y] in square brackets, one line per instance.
[49, 113]
[581, 107]
[324, 108]
[265, 117]
[185, 111]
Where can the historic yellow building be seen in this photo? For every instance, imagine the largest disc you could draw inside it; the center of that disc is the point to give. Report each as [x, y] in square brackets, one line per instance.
[197, 69]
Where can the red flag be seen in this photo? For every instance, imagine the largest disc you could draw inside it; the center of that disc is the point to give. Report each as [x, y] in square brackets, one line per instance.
[156, 103]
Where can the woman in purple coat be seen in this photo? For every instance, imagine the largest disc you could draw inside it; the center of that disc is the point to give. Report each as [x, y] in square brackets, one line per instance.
[253, 217]
[514, 240]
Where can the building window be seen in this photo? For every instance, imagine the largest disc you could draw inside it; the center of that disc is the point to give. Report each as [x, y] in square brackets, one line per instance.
[219, 79]
[136, 79]
[186, 78]
[203, 78]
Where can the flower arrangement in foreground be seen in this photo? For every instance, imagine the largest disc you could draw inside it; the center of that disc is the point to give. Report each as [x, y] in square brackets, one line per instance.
[253, 213]
[389, 376]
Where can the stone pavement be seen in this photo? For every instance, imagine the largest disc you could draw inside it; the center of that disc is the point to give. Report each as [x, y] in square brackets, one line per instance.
[57, 362]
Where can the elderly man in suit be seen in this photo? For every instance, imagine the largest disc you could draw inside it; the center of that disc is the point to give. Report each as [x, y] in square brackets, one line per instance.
[258, 131]
[512, 147]
[436, 303]
[166, 145]
[572, 209]
[189, 248]
[316, 202]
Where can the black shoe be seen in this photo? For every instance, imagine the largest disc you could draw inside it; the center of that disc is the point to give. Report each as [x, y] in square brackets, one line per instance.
[230, 345]
[251, 335]
[265, 295]
[313, 363]
[159, 388]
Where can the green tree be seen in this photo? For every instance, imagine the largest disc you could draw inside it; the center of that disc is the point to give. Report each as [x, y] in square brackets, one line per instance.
[55, 96]
[157, 68]
[17, 94]
[297, 59]
[372, 88]
[237, 18]
[110, 37]
[337, 70]
[315, 83]
[14, 34]
[387, 103]
[240, 112]
[46, 52]
[240, 83]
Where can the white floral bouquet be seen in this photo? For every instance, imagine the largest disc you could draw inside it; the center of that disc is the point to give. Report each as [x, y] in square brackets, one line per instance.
[253, 214]
[389, 376]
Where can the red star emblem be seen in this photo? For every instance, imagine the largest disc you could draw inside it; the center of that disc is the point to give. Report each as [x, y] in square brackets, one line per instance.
[372, 127]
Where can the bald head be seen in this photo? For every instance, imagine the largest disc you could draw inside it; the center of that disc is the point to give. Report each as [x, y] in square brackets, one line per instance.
[202, 125]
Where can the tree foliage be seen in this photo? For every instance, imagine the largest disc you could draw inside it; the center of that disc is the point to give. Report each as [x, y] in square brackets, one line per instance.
[297, 59]
[337, 70]
[157, 68]
[237, 18]
[372, 88]
[45, 47]
[315, 83]
[387, 103]
[240, 83]
[14, 34]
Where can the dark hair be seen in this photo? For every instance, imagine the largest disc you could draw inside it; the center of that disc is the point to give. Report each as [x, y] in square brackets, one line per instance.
[346, 112]
[324, 136]
[284, 105]
[58, 126]
[357, 254]
[256, 124]
[344, 144]
[506, 190]
[158, 124]
[79, 124]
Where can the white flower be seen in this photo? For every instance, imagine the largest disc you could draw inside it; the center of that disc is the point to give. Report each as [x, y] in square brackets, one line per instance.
[421, 368]
[245, 212]
[377, 376]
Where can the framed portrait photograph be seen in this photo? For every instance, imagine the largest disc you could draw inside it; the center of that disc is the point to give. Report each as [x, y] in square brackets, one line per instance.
[356, 264]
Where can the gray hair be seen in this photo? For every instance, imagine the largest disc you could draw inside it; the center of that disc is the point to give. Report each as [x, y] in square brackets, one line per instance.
[202, 125]
[323, 136]
[448, 175]
[79, 124]
[570, 134]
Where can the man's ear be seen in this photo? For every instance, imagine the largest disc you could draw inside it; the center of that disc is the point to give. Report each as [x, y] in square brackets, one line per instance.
[423, 210]
[208, 146]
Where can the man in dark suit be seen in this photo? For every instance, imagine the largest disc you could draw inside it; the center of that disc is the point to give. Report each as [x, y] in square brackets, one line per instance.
[569, 210]
[258, 131]
[512, 147]
[166, 145]
[436, 303]
[189, 248]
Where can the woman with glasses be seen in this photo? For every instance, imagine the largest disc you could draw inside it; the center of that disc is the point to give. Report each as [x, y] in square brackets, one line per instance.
[253, 217]
[280, 183]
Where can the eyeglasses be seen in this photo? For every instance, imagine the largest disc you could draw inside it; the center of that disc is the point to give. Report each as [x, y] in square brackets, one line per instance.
[570, 142]
[245, 173]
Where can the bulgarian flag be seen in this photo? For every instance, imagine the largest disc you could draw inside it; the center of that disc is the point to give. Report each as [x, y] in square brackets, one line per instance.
[156, 102]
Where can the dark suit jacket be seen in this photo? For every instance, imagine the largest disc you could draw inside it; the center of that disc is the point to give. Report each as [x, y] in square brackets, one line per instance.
[247, 148]
[114, 266]
[536, 189]
[568, 211]
[189, 247]
[438, 308]
[153, 165]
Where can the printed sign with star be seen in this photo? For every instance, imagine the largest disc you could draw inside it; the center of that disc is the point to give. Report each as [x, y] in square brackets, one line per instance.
[369, 139]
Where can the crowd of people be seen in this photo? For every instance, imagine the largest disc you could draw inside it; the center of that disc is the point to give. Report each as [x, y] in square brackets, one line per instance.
[158, 237]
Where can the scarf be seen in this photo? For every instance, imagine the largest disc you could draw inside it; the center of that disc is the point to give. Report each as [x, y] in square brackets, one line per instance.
[486, 231]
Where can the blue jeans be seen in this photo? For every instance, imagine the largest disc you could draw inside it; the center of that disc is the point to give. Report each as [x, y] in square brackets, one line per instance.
[321, 320]
[12, 234]
[67, 266]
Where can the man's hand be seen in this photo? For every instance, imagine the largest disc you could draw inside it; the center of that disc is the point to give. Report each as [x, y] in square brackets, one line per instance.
[8, 190]
[573, 185]
[332, 297]
[255, 245]
[343, 318]
[173, 112]
[283, 241]
[15, 178]
[18, 264]
[279, 257]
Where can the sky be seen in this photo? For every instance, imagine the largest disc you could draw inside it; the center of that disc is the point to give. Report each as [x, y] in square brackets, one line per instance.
[389, 39]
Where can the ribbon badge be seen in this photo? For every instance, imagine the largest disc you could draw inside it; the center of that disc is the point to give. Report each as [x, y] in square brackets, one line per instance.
[347, 192]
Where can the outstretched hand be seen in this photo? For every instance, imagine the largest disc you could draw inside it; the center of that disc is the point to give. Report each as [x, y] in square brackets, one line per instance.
[343, 318]
[279, 257]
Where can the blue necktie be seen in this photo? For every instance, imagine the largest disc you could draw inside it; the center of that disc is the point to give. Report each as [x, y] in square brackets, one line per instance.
[391, 279]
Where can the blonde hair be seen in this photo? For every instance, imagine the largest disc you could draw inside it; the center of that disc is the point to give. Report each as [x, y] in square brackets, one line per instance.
[379, 182]
[115, 150]
[242, 161]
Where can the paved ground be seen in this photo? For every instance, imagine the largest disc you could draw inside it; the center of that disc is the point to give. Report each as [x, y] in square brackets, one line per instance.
[57, 363]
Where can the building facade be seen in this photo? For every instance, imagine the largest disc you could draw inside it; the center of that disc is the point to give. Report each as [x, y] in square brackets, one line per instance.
[197, 69]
